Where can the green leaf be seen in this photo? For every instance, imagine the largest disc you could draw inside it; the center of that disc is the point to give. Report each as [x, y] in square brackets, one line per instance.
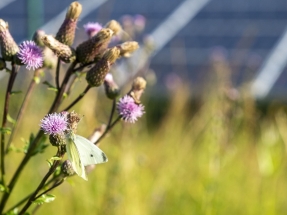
[37, 80]
[50, 86]
[6, 130]
[18, 150]
[10, 119]
[15, 211]
[16, 92]
[3, 188]
[52, 159]
[44, 199]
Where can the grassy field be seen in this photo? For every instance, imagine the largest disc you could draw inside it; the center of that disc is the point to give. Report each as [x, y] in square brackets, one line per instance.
[223, 157]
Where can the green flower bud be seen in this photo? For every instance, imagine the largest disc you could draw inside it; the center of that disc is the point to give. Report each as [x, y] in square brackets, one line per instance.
[96, 75]
[90, 49]
[64, 52]
[57, 140]
[67, 168]
[66, 33]
[8, 46]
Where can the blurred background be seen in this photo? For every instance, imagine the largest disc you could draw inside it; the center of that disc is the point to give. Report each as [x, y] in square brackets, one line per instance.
[213, 139]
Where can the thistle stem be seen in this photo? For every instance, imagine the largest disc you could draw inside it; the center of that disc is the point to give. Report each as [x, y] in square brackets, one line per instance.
[42, 184]
[12, 78]
[28, 196]
[57, 78]
[35, 142]
[23, 107]
[78, 98]
[62, 89]
[109, 127]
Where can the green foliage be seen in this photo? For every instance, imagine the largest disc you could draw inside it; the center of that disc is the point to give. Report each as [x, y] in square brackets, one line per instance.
[47, 198]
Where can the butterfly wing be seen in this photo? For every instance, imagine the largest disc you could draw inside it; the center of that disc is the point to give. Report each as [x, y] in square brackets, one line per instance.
[75, 157]
[89, 153]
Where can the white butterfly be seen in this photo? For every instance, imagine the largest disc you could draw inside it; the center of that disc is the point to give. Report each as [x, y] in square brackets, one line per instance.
[82, 152]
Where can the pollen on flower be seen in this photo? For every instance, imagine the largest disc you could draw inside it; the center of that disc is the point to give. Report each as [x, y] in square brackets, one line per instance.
[31, 55]
[129, 110]
[92, 28]
[55, 123]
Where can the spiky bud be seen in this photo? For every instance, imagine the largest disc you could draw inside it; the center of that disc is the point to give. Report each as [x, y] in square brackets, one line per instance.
[90, 49]
[73, 120]
[37, 38]
[57, 140]
[66, 33]
[111, 88]
[9, 48]
[96, 75]
[138, 87]
[2, 64]
[114, 26]
[67, 168]
[127, 48]
[64, 52]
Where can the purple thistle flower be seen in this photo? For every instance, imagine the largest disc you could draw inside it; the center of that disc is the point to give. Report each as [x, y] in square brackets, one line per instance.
[129, 110]
[55, 123]
[31, 55]
[92, 28]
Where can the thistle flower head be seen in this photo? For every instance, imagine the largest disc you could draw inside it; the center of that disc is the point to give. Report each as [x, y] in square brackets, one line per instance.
[129, 110]
[30, 55]
[92, 28]
[55, 123]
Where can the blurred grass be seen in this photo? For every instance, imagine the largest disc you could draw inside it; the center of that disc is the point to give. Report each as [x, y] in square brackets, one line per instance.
[224, 157]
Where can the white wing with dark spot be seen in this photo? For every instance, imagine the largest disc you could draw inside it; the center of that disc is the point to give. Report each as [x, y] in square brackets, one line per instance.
[89, 153]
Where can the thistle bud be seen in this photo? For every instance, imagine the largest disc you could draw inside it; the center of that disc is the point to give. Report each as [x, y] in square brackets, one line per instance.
[57, 140]
[37, 38]
[2, 64]
[111, 88]
[127, 48]
[114, 26]
[73, 120]
[138, 87]
[66, 33]
[67, 168]
[64, 52]
[96, 75]
[8, 46]
[90, 49]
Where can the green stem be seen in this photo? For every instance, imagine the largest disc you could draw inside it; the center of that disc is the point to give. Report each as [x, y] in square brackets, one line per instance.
[57, 78]
[35, 142]
[78, 98]
[27, 197]
[109, 127]
[41, 185]
[23, 107]
[12, 78]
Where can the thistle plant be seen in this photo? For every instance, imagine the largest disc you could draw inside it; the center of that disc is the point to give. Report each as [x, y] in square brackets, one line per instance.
[92, 59]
